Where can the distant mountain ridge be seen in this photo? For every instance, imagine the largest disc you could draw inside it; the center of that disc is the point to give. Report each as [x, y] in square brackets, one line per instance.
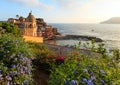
[113, 20]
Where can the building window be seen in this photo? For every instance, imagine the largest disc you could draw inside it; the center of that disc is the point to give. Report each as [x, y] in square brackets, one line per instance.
[30, 26]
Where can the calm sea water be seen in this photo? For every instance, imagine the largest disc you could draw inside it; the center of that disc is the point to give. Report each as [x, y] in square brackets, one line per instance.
[110, 33]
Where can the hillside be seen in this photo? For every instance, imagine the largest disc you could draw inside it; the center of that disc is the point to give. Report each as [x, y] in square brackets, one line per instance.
[113, 20]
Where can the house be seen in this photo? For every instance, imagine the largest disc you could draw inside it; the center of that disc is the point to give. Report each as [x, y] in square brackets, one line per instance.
[32, 26]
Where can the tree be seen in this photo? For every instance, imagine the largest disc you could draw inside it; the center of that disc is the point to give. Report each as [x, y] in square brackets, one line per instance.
[17, 16]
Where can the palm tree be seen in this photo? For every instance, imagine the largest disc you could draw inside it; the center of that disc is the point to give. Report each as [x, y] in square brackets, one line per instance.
[17, 16]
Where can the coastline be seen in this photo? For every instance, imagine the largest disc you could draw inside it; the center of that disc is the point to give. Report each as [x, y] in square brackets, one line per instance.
[77, 37]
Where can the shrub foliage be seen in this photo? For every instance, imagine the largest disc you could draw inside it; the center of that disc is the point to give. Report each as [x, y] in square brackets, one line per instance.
[15, 57]
[96, 67]
[6, 27]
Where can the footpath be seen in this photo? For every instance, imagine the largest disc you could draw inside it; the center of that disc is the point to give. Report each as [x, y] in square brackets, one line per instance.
[67, 50]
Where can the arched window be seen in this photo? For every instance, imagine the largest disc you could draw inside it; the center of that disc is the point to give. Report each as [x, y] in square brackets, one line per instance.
[30, 26]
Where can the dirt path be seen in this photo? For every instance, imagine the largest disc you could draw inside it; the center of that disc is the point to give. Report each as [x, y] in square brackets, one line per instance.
[65, 50]
[41, 77]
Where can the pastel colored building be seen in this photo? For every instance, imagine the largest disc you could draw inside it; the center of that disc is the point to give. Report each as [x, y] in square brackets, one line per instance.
[31, 26]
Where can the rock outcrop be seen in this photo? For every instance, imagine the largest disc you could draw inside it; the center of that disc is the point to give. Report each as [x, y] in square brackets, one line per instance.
[78, 37]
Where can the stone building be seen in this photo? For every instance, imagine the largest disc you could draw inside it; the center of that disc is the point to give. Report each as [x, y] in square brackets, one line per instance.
[48, 32]
[27, 25]
[31, 26]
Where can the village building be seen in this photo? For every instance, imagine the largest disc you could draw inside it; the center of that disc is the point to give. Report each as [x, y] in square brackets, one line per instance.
[31, 26]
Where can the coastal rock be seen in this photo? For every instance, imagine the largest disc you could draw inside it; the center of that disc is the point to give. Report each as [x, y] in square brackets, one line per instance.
[78, 37]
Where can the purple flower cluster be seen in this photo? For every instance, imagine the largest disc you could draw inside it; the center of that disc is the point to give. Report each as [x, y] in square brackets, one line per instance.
[103, 72]
[90, 81]
[92, 78]
[12, 72]
[72, 82]
[16, 66]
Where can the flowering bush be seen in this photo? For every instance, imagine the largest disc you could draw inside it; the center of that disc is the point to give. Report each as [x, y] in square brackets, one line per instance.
[41, 52]
[15, 61]
[9, 28]
[91, 69]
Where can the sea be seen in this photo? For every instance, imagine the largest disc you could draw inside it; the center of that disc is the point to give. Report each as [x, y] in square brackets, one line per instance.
[109, 33]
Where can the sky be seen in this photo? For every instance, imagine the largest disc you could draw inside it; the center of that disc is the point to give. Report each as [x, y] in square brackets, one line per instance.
[62, 11]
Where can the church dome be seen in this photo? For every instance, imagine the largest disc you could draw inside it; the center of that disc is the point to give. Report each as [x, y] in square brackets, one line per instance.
[30, 18]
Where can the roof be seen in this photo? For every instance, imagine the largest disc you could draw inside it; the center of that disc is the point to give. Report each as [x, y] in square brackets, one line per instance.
[31, 18]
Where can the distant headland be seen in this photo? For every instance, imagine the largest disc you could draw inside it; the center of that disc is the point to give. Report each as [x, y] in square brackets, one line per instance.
[113, 20]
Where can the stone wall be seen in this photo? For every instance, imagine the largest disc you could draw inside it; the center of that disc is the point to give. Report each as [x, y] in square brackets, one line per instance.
[33, 39]
[29, 32]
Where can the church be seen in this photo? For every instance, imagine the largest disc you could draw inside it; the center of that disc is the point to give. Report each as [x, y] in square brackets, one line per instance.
[27, 25]
[31, 26]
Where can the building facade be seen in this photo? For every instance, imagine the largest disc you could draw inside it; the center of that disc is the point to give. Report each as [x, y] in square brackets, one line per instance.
[31, 26]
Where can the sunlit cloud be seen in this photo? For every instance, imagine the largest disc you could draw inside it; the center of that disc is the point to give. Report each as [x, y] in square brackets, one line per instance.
[66, 4]
[32, 3]
[45, 7]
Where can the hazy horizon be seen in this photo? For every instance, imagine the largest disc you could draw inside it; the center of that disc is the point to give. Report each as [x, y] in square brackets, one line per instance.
[62, 11]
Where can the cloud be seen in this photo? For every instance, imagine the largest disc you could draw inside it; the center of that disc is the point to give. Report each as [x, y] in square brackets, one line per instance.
[93, 3]
[46, 7]
[32, 3]
[64, 4]
[68, 3]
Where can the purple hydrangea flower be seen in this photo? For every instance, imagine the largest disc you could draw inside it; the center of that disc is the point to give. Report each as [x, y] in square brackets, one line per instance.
[102, 81]
[8, 78]
[84, 80]
[12, 73]
[1, 79]
[14, 84]
[92, 78]
[15, 59]
[73, 82]
[7, 83]
[103, 72]
[1, 75]
[89, 82]
[26, 82]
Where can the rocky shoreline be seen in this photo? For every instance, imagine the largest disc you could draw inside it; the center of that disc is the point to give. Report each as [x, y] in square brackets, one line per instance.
[77, 37]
